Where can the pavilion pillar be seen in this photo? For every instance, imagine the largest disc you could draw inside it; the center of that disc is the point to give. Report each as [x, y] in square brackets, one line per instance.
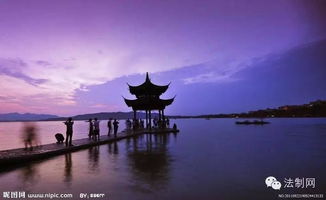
[146, 121]
[159, 115]
[150, 119]
[134, 114]
[163, 117]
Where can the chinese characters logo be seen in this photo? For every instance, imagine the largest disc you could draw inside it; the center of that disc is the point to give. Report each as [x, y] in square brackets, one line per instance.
[272, 182]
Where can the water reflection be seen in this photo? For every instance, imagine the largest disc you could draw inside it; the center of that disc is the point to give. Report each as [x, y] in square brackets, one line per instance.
[29, 175]
[113, 148]
[149, 161]
[146, 162]
[93, 158]
[68, 169]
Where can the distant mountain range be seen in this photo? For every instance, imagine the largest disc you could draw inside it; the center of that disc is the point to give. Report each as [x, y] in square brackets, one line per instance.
[312, 109]
[25, 117]
[45, 117]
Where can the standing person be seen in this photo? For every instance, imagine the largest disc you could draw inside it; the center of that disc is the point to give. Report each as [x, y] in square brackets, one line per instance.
[109, 126]
[91, 129]
[115, 126]
[155, 122]
[142, 123]
[128, 124]
[69, 123]
[30, 136]
[96, 129]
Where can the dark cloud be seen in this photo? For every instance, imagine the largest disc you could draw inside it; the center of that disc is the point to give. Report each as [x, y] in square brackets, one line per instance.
[295, 76]
[9, 99]
[43, 63]
[14, 67]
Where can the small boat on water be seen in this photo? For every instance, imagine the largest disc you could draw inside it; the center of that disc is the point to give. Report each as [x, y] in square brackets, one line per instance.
[255, 122]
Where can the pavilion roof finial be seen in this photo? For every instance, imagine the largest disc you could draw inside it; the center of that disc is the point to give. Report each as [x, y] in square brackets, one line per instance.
[147, 77]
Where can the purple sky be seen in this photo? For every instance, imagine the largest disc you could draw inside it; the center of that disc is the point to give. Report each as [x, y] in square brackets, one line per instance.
[69, 57]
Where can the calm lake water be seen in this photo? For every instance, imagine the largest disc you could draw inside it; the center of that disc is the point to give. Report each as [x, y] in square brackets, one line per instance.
[208, 159]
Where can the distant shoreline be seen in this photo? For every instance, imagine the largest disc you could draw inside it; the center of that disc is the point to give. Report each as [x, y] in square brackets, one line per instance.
[314, 109]
[172, 117]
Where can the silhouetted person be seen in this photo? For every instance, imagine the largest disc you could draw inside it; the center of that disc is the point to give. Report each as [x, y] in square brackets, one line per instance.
[91, 129]
[30, 136]
[115, 126]
[134, 124]
[160, 123]
[96, 129]
[175, 127]
[155, 122]
[167, 122]
[128, 124]
[59, 138]
[69, 124]
[142, 123]
[109, 126]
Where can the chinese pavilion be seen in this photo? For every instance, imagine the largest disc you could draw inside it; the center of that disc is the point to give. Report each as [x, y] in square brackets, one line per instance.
[148, 99]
